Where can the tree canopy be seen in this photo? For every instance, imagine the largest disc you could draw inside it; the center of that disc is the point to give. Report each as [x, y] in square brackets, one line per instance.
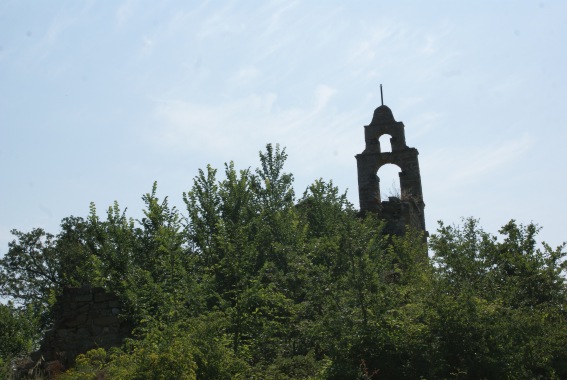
[250, 281]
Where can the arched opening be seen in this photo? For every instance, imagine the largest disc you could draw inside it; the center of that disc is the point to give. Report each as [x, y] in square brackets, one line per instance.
[385, 143]
[389, 175]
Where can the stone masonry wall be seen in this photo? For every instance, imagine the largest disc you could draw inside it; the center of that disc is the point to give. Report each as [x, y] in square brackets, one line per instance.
[84, 318]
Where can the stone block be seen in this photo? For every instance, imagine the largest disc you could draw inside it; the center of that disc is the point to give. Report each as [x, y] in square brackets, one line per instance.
[106, 321]
[78, 320]
[63, 334]
[102, 297]
[83, 298]
[83, 332]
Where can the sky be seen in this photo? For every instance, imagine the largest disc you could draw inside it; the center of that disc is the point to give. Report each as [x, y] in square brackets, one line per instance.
[99, 99]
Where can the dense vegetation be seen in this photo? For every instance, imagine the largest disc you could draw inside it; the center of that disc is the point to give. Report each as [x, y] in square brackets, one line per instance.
[252, 283]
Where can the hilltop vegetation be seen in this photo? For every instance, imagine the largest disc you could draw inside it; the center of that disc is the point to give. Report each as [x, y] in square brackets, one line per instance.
[251, 282]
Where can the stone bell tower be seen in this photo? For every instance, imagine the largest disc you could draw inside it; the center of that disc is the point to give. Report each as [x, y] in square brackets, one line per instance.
[409, 207]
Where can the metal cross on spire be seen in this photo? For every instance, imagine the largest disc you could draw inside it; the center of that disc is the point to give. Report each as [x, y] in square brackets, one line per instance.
[381, 94]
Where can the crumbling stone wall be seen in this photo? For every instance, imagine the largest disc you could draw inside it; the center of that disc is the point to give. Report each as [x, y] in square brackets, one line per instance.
[84, 318]
[399, 213]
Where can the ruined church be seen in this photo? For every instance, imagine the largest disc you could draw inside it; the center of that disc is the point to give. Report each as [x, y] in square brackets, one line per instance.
[406, 208]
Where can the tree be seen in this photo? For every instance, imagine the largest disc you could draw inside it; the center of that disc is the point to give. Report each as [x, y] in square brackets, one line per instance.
[253, 283]
[160, 283]
[495, 301]
[38, 264]
[18, 332]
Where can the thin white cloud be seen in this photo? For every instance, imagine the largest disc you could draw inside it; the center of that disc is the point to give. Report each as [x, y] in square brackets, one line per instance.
[365, 51]
[47, 38]
[148, 45]
[248, 123]
[323, 94]
[493, 157]
[423, 123]
[204, 127]
[432, 42]
[245, 76]
[461, 167]
[430, 46]
[124, 12]
[217, 23]
[276, 13]
[59, 25]
[407, 102]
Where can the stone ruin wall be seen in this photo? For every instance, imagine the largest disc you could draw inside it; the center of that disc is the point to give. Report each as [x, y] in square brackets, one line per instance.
[399, 214]
[84, 318]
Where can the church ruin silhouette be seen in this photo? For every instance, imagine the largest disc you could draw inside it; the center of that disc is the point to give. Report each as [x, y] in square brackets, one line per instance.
[406, 208]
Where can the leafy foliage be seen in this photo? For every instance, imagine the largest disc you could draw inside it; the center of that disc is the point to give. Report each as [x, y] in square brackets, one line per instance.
[253, 283]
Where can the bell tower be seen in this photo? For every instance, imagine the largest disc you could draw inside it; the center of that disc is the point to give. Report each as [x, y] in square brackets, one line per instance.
[408, 208]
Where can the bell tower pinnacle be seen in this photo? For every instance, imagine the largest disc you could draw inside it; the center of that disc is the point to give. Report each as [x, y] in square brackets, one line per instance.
[408, 208]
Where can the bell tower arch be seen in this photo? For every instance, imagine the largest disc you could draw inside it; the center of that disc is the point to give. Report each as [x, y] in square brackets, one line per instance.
[408, 209]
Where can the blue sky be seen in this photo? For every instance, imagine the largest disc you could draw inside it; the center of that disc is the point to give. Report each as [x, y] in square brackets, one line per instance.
[99, 99]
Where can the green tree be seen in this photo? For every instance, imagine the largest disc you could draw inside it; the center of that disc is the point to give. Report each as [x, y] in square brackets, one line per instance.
[18, 331]
[38, 265]
[494, 301]
[113, 242]
[252, 283]
[160, 283]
